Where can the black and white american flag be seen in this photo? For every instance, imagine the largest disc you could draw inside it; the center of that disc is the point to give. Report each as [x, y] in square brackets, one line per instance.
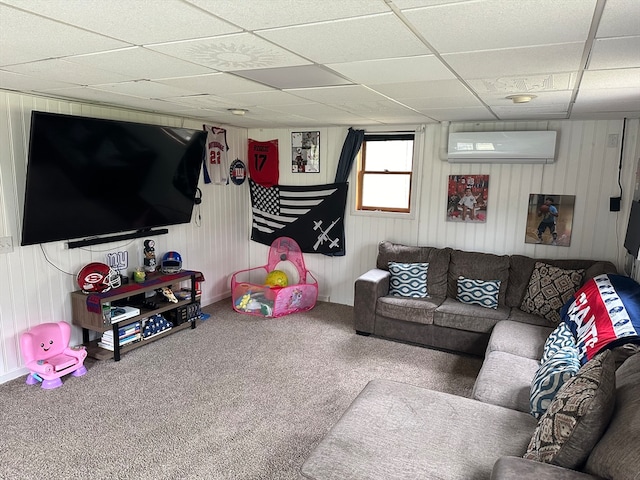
[313, 215]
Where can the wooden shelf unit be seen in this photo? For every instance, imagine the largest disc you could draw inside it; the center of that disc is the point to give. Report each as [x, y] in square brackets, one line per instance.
[93, 321]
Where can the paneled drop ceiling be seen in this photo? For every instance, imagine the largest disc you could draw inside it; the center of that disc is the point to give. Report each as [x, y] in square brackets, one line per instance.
[329, 62]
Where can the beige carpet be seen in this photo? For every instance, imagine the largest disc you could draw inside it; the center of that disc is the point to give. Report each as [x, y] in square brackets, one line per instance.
[239, 397]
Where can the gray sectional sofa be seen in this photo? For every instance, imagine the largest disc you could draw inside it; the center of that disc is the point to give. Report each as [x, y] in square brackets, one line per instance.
[399, 431]
[440, 320]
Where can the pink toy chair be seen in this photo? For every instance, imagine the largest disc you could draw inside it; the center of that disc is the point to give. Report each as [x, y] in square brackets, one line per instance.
[46, 353]
[250, 295]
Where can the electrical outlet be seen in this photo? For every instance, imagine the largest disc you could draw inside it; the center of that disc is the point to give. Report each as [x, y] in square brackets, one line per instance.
[6, 244]
[612, 140]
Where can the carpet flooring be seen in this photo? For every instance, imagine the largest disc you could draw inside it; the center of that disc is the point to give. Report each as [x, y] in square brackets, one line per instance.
[239, 397]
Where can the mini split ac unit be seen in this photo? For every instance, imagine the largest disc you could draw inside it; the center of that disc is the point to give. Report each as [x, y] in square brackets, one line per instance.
[502, 147]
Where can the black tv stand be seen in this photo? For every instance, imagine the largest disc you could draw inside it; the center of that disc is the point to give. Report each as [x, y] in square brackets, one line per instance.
[116, 238]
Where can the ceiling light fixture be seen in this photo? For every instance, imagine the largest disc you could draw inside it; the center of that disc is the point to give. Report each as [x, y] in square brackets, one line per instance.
[521, 98]
[238, 111]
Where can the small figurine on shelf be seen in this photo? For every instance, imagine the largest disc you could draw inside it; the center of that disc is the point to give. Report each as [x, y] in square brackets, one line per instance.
[139, 275]
[168, 294]
[150, 256]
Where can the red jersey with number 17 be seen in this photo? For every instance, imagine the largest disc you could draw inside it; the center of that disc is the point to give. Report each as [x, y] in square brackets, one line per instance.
[263, 162]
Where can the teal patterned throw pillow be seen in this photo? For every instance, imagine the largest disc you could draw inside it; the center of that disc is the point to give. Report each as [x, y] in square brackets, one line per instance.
[479, 292]
[408, 279]
[551, 375]
[560, 337]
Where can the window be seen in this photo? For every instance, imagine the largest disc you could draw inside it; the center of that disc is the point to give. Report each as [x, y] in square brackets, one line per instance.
[385, 169]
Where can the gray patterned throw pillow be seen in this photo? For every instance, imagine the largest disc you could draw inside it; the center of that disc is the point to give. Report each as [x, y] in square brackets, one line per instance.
[578, 415]
[549, 289]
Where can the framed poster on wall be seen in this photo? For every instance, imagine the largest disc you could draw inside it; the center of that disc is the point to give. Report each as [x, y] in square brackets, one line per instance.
[305, 152]
[467, 198]
[550, 219]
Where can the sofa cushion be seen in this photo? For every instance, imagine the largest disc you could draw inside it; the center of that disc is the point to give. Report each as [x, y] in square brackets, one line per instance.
[478, 292]
[617, 453]
[549, 289]
[519, 316]
[559, 367]
[604, 313]
[472, 318]
[505, 380]
[577, 416]
[415, 310]
[510, 468]
[518, 338]
[400, 431]
[437, 258]
[408, 279]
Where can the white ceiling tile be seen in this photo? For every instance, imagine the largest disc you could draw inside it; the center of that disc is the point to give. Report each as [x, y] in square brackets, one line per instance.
[346, 93]
[16, 81]
[399, 119]
[285, 12]
[131, 21]
[307, 109]
[442, 102]
[294, 121]
[142, 89]
[458, 114]
[363, 38]
[621, 52]
[529, 110]
[25, 37]
[201, 101]
[372, 109]
[90, 94]
[431, 89]
[609, 99]
[497, 24]
[406, 4]
[215, 84]
[242, 51]
[139, 63]
[565, 57]
[620, 18]
[394, 70]
[321, 113]
[622, 78]
[506, 113]
[584, 114]
[524, 83]
[64, 71]
[270, 98]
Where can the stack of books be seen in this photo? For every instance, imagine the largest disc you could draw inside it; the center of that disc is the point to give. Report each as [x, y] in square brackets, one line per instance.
[126, 334]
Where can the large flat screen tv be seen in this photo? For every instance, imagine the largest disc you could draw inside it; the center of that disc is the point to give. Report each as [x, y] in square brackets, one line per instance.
[88, 177]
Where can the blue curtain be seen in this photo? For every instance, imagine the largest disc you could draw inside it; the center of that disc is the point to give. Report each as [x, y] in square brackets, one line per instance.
[350, 149]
